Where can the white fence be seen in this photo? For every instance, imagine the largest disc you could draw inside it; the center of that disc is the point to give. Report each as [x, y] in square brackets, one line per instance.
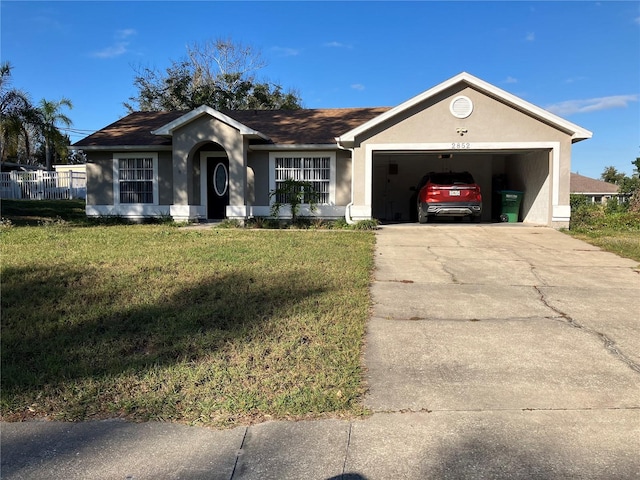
[41, 185]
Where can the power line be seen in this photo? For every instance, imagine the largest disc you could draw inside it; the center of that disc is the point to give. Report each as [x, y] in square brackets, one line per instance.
[77, 130]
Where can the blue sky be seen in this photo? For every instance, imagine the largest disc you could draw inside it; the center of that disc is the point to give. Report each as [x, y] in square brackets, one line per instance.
[580, 60]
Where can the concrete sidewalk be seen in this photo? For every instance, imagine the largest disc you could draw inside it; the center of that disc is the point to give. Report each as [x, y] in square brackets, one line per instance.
[493, 351]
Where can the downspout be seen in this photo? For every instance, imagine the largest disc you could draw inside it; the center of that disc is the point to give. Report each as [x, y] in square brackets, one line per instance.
[347, 211]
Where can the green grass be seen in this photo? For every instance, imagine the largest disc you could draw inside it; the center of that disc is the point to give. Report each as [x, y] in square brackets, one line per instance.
[33, 212]
[617, 232]
[216, 327]
[625, 244]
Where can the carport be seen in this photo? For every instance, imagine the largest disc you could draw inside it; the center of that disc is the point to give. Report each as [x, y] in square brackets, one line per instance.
[463, 124]
[396, 173]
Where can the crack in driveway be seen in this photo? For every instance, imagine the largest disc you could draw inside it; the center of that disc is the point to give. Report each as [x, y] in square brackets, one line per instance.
[609, 345]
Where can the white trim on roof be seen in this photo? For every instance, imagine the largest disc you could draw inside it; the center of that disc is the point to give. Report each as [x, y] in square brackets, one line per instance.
[168, 129]
[577, 133]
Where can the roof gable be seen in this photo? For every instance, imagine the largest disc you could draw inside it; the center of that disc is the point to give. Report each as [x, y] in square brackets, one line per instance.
[582, 184]
[169, 128]
[577, 133]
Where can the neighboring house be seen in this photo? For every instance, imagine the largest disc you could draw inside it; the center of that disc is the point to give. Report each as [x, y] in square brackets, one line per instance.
[596, 191]
[80, 168]
[207, 164]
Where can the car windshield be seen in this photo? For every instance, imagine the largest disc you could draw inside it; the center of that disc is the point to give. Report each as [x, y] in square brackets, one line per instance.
[451, 178]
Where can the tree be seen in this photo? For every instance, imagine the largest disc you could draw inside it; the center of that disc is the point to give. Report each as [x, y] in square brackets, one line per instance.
[611, 175]
[17, 115]
[218, 73]
[51, 115]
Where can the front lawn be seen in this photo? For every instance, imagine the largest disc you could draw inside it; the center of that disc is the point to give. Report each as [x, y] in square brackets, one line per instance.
[617, 232]
[34, 212]
[211, 326]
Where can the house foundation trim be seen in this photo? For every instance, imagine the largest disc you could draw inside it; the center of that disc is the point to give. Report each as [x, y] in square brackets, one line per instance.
[185, 213]
[133, 211]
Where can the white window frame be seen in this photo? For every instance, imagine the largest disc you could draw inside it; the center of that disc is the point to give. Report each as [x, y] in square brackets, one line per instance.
[304, 154]
[116, 175]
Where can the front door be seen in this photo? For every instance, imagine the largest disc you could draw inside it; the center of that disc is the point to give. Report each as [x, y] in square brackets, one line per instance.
[217, 187]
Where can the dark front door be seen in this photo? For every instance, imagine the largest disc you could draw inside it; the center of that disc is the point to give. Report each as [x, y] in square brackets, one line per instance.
[217, 187]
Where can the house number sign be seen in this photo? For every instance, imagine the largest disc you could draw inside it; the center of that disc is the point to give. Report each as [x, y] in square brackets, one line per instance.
[460, 145]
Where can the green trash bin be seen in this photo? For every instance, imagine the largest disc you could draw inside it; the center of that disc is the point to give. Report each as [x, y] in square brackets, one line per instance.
[510, 205]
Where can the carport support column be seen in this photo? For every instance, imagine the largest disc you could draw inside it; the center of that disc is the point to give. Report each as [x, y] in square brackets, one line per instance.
[561, 208]
[237, 208]
[361, 183]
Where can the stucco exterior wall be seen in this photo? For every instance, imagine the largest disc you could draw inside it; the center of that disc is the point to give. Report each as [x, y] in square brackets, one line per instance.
[165, 178]
[491, 122]
[343, 177]
[259, 163]
[186, 142]
[100, 178]
[529, 173]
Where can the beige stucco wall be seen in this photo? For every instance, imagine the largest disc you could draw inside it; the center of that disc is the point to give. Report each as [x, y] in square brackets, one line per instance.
[529, 172]
[165, 178]
[491, 121]
[258, 161]
[100, 177]
[343, 177]
[186, 143]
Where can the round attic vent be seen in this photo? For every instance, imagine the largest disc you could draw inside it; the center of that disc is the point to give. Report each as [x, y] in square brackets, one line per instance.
[461, 107]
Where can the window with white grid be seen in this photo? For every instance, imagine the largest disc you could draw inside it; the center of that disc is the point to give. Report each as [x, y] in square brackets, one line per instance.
[315, 169]
[134, 178]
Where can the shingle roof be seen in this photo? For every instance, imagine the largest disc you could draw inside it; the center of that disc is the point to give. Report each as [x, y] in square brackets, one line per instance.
[582, 184]
[305, 126]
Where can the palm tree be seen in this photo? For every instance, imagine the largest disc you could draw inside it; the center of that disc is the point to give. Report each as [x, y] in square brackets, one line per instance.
[16, 114]
[50, 117]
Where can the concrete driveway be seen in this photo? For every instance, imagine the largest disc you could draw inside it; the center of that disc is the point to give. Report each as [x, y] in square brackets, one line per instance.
[518, 349]
[493, 351]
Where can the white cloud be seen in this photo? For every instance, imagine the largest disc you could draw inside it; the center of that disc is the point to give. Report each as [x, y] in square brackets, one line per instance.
[337, 45]
[531, 36]
[357, 86]
[126, 33]
[115, 50]
[588, 105]
[574, 79]
[119, 47]
[285, 51]
[510, 80]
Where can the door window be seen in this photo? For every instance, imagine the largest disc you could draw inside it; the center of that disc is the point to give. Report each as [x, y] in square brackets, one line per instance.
[220, 179]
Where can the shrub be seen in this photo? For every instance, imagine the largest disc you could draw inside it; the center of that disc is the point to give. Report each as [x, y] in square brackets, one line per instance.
[614, 206]
[293, 193]
[371, 224]
[634, 202]
[339, 224]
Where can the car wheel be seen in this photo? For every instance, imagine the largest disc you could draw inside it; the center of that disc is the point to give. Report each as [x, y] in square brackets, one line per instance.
[422, 217]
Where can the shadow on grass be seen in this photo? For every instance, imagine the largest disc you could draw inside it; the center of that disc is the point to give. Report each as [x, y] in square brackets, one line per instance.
[32, 212]
[60, 326]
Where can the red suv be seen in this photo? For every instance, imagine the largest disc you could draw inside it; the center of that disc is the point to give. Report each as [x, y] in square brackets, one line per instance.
[448, 194]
